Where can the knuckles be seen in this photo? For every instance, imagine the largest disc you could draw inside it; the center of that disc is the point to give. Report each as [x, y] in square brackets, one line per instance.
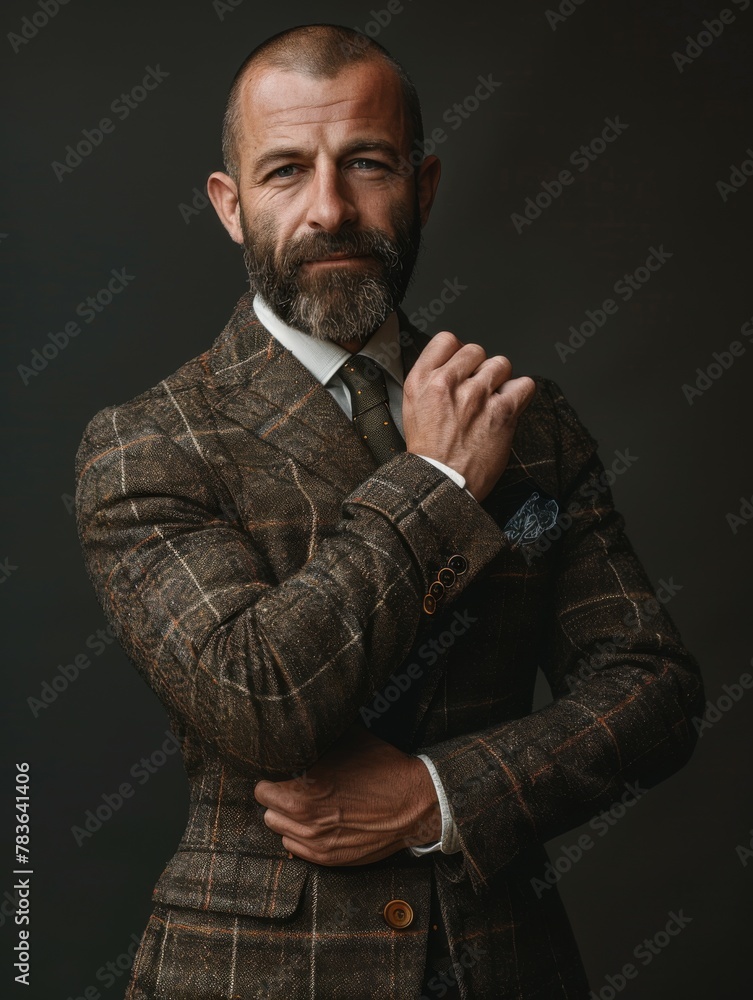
[440, 380]
[445, 335]
[474, 349]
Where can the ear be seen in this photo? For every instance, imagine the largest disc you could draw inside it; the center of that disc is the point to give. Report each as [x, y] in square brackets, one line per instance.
[427, 183]
[223, 193]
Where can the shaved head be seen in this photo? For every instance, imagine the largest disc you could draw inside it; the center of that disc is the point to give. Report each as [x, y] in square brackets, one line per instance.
[319, 51]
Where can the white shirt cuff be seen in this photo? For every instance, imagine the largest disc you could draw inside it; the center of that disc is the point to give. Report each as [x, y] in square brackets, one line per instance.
[450, 842]
[454, 476]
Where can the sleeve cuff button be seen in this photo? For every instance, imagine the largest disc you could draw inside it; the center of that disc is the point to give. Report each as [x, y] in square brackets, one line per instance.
[458, 563]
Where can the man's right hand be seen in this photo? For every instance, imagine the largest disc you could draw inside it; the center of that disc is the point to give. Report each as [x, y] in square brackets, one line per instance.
[461, 408]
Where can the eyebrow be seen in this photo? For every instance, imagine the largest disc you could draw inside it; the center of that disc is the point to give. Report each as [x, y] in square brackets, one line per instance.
[354, 146]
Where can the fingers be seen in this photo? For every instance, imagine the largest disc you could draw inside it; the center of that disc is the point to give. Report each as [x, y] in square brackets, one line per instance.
[517, 392]
[464, 362]
[493, 372]
[437, 352]
[261, 792]
[274, 794]
[284, 825]
[461, 362]
[445, 351]
[331, 857]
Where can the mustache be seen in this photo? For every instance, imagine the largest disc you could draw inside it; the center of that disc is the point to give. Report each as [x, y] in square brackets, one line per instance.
[360, 243]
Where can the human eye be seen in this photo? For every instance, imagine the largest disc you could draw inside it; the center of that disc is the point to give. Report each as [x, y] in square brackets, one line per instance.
[363, 163]
[281, 171]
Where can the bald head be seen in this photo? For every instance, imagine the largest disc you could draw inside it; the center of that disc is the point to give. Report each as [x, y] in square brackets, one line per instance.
[319, 51]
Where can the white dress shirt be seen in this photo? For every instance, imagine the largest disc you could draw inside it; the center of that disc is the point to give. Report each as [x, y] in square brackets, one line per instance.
[324, 358]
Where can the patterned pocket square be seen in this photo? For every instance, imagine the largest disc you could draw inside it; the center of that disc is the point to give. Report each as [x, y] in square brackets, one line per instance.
[537, 515]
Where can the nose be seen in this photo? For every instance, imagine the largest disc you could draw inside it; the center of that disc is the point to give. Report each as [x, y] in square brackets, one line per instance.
[331, 204]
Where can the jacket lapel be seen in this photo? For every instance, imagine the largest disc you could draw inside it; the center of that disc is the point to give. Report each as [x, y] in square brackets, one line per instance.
[261, 385]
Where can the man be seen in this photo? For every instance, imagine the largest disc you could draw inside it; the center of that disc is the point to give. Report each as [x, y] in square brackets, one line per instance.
[329, 545]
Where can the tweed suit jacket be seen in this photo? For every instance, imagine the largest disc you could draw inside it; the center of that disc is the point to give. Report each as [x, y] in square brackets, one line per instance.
[266, 578]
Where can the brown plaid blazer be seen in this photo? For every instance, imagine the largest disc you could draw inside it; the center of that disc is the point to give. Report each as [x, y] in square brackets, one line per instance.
[266, 579]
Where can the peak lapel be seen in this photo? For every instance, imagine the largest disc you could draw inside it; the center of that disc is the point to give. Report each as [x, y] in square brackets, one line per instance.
[261, 385]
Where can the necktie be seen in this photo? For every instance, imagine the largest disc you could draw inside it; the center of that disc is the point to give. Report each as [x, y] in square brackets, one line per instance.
[371, 413]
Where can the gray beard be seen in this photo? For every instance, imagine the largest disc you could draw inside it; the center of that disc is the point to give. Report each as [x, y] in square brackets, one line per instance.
[348, 307]
[347, 303]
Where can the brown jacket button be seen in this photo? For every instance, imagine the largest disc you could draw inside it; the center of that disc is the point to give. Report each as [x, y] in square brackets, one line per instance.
[458, 563]
[398, 914]
[430, 604]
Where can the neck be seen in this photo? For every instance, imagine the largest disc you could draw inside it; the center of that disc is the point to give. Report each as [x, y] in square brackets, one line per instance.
[354, 346]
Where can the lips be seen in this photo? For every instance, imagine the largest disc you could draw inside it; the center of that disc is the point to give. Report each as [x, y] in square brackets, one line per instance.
[332, 257]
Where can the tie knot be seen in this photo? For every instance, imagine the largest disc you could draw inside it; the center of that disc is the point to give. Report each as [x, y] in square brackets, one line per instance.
[359, 366]
[365, 381]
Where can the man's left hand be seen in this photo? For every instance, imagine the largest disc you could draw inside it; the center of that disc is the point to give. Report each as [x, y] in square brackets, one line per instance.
[363, 800]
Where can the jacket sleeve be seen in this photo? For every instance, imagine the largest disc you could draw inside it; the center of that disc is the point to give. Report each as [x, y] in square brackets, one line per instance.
[270, 672]
[624, 687]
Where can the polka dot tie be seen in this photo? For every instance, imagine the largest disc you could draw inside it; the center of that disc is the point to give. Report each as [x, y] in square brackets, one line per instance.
[371, 413]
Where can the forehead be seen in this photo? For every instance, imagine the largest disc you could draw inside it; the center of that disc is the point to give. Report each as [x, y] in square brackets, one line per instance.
[283, 105]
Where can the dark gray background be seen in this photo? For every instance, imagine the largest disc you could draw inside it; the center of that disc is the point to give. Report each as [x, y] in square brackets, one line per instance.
[655, 185]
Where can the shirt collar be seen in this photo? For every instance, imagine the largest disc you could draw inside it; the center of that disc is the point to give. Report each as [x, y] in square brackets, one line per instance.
[324, 358]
